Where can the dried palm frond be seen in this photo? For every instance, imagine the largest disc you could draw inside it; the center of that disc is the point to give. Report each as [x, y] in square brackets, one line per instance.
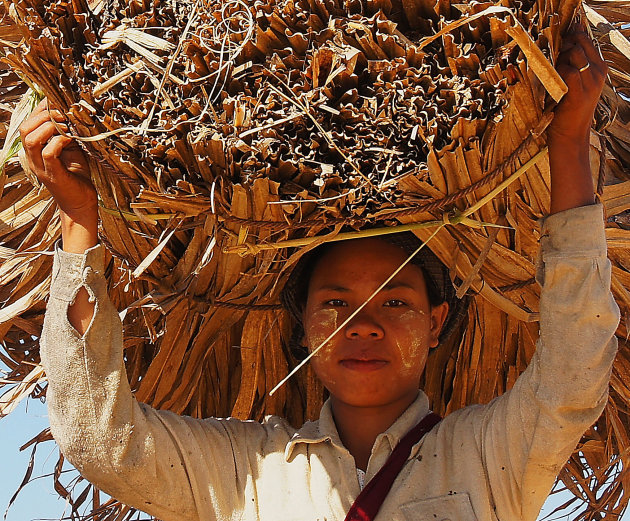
[220, 127]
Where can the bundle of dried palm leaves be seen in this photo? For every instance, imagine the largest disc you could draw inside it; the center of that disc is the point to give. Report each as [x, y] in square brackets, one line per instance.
[229, 137]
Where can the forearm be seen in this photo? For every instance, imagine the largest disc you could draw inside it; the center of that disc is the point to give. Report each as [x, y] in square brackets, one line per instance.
[571, 177]
[583, 69]
[79, 233]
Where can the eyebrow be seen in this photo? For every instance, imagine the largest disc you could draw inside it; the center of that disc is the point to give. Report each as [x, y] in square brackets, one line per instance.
[333, 287]
[388, 287]
[397, 285]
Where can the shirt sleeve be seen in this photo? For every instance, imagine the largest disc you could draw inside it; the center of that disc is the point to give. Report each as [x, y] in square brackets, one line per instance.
[173, 467]
[527, 435]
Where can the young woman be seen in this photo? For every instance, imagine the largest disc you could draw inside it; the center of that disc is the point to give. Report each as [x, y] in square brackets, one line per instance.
[496, 461]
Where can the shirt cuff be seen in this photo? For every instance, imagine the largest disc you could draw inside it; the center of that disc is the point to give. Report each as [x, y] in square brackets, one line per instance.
[575, 232]
[74, 270]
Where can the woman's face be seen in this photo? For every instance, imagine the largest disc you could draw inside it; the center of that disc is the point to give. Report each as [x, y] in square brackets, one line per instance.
[379, 356]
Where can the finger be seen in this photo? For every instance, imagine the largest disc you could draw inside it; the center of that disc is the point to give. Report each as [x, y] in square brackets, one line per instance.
[35, 141]
[71, 192]
[584, 89]
[38, 137]
[592, 52]
[51, 158]
[571, 77]
[570, 62]
[568, 42]
[592, 73]
[74, 160]
[38, 118]
[577, 57]
[41, 107]
[578, 25]
[572, 32]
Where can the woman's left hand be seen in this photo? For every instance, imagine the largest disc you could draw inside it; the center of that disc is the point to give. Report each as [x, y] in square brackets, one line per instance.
[583, 69]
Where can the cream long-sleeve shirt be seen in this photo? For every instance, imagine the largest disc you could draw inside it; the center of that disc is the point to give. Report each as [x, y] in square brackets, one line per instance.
[488, 462]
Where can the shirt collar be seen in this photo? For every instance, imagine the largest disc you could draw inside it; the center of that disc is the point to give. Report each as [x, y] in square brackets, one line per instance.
[325, 430]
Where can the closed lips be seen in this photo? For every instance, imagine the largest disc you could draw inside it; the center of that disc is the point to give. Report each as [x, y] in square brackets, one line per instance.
[363, 360]
[363, 365]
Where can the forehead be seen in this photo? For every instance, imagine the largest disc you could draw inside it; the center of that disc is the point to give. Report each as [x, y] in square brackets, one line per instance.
[363, 261]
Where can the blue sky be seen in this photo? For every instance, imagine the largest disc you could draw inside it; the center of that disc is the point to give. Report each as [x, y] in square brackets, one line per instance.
[38, 500]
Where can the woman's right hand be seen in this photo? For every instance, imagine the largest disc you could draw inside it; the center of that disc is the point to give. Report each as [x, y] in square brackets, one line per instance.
[61, 166]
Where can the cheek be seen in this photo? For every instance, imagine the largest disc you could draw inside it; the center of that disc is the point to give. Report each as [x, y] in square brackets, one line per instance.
[318, 328]
[412, 334]
[319, 325]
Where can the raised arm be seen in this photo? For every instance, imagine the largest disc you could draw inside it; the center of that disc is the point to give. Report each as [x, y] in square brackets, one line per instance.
[530, 432]
[61, 166]
[173, 467]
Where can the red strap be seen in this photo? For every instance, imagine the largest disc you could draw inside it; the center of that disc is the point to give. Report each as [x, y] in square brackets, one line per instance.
[369, 501]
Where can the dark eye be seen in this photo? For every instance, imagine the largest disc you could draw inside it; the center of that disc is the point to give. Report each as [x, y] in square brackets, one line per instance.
[394, 303]
[336, 303]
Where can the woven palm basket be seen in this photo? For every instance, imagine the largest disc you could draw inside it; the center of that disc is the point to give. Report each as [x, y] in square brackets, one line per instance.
[218, 131]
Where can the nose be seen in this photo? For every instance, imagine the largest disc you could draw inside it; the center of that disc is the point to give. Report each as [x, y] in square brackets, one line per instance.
[363, 326]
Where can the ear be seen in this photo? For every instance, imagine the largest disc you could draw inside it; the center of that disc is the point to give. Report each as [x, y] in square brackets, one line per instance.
[438, 317]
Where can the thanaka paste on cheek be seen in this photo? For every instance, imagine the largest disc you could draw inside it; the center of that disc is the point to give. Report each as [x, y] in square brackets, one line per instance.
[320, 325]
[414, 353]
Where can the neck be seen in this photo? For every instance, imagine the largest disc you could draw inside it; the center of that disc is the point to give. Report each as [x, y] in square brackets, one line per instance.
[358, 427]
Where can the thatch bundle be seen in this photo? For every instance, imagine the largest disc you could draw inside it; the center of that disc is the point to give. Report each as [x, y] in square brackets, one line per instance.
[219, 130]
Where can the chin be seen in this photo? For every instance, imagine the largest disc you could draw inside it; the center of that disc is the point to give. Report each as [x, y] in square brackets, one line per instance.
[367, 397]
[367, 403]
